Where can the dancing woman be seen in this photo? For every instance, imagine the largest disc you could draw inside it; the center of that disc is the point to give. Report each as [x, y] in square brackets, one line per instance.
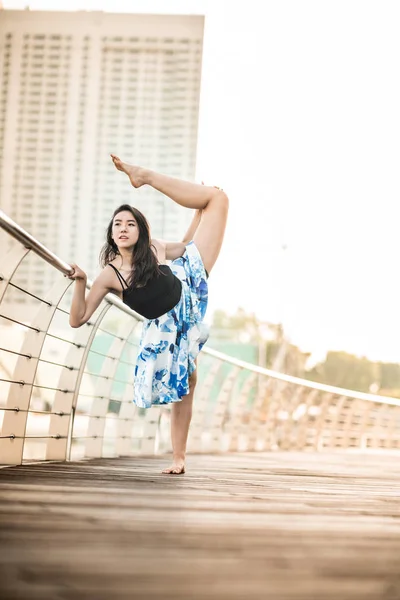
[172, 300]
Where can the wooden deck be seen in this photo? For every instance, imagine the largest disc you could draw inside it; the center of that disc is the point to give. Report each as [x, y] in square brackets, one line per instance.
[266, 526]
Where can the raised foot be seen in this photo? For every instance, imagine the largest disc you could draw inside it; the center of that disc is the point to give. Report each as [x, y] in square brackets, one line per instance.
[175, 469]
[136, 174]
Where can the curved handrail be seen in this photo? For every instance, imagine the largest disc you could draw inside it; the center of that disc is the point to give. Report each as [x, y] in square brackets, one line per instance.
[17, 232]
[302, 382]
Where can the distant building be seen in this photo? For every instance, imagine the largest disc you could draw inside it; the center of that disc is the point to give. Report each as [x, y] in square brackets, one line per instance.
[76, 86]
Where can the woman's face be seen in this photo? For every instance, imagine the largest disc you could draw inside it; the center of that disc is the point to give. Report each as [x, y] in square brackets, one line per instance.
[125, 231]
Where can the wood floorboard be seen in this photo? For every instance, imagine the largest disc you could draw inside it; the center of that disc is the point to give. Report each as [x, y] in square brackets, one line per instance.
[292, 526]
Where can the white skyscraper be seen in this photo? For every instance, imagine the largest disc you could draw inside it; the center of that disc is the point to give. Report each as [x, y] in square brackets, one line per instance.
[76, 86]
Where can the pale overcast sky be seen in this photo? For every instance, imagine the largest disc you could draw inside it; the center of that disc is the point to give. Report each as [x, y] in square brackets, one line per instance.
[300, 124]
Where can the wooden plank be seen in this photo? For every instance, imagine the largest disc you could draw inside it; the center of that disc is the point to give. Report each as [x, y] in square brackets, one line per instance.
[259, 526]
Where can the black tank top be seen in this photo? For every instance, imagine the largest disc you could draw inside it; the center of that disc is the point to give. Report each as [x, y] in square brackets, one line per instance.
[157, 297]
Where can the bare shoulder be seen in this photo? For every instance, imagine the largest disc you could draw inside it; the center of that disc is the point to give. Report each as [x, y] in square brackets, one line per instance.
[159, 247]
[107, 279]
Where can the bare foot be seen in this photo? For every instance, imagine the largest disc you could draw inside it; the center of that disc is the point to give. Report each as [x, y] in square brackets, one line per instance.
[136, 174]
[177, 468]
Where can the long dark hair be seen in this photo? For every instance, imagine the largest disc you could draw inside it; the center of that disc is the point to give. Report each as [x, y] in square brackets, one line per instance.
[144, 261]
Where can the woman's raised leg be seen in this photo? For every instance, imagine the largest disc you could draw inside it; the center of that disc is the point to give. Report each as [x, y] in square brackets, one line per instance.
[213, 202]
[185, 193]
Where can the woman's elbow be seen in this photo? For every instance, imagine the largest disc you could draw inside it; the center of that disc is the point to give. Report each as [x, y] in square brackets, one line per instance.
[75, 323]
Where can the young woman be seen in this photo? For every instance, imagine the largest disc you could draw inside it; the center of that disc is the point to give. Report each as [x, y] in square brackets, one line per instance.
[173, 300]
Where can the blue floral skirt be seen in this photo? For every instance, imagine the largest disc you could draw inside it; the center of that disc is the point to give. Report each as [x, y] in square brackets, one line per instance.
[170, 344]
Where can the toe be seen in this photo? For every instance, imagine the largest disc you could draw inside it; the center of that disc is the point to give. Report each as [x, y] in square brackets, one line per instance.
[174, 471]
[178, 470]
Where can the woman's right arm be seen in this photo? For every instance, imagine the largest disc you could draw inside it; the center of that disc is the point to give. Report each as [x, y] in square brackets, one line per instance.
[82, 306]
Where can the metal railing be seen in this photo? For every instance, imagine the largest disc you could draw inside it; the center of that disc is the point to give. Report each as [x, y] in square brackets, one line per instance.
[67, 394]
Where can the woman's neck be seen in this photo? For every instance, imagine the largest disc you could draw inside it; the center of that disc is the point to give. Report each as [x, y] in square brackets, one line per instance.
[126, 259]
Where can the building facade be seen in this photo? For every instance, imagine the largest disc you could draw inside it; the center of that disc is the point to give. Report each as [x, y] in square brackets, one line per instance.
[76, 86]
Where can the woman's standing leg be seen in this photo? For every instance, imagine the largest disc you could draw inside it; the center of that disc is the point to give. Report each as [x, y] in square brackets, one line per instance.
[213, 202]
[181, 415]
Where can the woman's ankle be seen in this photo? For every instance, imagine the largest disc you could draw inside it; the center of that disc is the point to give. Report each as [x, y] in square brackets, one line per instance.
[179, 457]
[147, 176]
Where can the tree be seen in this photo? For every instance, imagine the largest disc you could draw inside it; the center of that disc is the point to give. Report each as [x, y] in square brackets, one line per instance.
[248, 338]
[236, 327]
[346, 370]
[267, 339]
[286, 357]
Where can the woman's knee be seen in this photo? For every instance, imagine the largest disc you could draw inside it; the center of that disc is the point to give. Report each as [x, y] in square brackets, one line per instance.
[219, 201]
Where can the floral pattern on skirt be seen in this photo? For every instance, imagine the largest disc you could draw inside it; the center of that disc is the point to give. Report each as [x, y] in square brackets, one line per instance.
[170, 344]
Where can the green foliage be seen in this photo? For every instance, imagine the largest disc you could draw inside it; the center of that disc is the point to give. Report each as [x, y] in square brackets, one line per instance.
[293, 361]
[346, 370]
[357, 373]
[242, 334]
[246, 334]
[389, 375]
[234, 327]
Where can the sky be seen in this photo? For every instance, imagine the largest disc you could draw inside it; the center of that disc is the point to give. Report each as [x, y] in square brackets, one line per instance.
[300, 124]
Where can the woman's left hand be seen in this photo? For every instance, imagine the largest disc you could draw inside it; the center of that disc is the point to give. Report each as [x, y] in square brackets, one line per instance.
[77, 273]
